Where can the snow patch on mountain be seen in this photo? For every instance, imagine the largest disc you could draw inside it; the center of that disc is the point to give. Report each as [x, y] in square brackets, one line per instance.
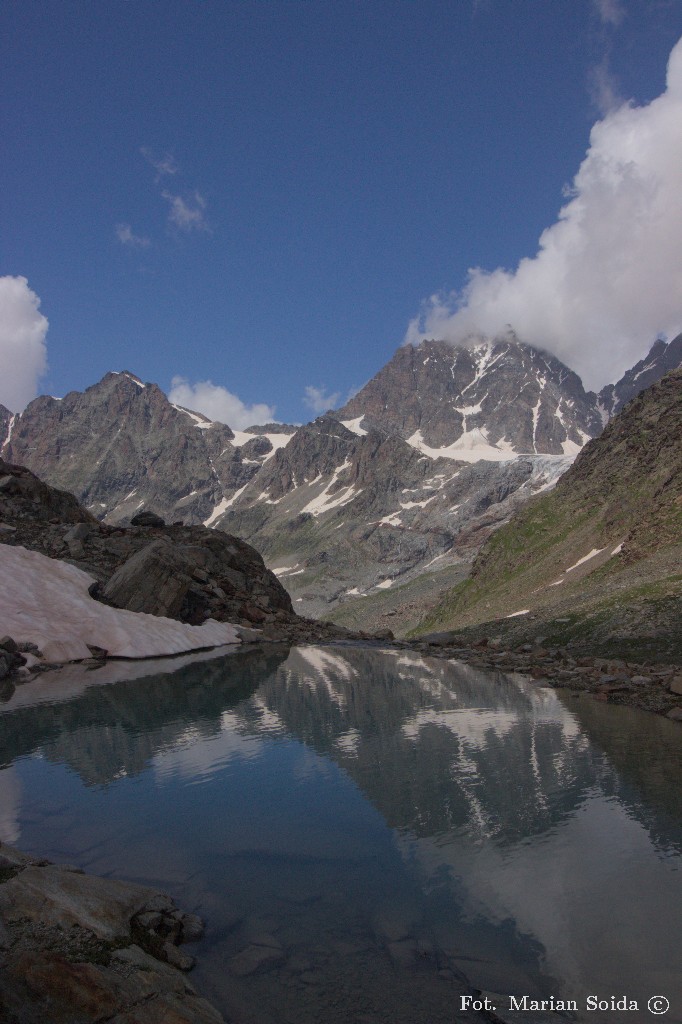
[472, 446]
[354, 426]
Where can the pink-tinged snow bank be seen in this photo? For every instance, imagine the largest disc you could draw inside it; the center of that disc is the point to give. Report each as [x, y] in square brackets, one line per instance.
[46, 602]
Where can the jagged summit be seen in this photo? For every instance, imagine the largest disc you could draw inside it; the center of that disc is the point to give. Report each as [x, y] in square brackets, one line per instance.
[121, 446]
[491, 398]
[661, 358]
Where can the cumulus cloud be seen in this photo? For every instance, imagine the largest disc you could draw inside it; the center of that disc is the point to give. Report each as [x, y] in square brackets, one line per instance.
[319, 400]
[127, 236]
[188, 215]
[218, 403]
[607, 277]
[23, 355]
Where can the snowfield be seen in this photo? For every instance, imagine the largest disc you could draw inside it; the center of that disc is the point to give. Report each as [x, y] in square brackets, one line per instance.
[46, 602]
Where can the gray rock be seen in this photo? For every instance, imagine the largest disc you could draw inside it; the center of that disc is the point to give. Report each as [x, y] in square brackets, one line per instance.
[137, 957]
[176, 957]
[76, 549]
[153, 580]
[147, 519]
[192, 928]
[57, 898]
[78, 532]
[675, 685]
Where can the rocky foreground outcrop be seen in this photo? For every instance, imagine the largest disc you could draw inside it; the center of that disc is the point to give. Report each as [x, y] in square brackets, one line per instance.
[76, 949]
[197, 576]
[190, 573]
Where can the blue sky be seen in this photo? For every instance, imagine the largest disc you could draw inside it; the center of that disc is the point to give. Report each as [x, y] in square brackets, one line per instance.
[263, 195]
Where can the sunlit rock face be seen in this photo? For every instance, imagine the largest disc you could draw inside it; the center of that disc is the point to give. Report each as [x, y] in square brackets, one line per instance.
[121, 446]
[490, 393]
[415, 471]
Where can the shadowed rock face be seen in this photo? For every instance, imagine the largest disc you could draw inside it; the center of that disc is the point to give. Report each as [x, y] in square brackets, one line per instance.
[189, 573]
[661, 359]
[192, 573]
[5, 418]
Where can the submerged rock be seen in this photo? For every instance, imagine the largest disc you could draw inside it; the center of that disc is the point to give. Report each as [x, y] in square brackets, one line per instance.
[76, 949]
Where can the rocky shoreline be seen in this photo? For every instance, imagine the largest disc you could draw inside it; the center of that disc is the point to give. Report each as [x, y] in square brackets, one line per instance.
[650, 687]
[647, 686]
[77, 948]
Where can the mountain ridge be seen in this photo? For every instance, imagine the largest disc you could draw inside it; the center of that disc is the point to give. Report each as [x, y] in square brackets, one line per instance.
[599, 555]
[409, 477]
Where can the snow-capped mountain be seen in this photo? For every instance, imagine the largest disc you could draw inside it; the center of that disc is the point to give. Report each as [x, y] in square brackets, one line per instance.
[121, 446]
[491, 399]
[412, 474]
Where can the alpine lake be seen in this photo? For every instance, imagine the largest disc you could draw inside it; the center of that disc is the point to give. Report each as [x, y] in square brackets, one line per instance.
[365, 832]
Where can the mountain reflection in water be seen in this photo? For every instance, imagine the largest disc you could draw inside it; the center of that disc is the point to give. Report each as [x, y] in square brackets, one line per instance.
[380, 814]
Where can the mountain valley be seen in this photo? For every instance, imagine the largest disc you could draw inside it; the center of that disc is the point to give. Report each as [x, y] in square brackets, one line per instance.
[369, 514]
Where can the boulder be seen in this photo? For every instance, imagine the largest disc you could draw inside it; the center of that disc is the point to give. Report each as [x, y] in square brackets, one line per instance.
[147, 519]
[154, 580]
[676, 685]
[59, 898]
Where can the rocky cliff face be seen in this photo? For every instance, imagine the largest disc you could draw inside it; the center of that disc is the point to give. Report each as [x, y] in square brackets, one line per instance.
[121, 446]
[661, 359]
[495, 392]
[5, 419]
[338, 514]
[412, 475]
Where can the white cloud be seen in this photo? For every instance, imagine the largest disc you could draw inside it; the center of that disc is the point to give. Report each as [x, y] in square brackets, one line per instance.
[163, 165]
[607, 278]
[604, 88]
[23, 355]
[126, 236]
[218, 403]
[187, 215]
[609, 12]
[318, 400]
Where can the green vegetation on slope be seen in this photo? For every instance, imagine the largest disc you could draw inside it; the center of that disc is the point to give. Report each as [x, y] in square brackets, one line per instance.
[625, 488]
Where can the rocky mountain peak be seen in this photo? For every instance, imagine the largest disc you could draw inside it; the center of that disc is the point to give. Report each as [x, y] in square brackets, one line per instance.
[490, 394]
[662, 357]
[121, 446]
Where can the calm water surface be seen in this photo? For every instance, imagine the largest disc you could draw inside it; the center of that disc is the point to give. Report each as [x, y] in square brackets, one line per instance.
[384, 823]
